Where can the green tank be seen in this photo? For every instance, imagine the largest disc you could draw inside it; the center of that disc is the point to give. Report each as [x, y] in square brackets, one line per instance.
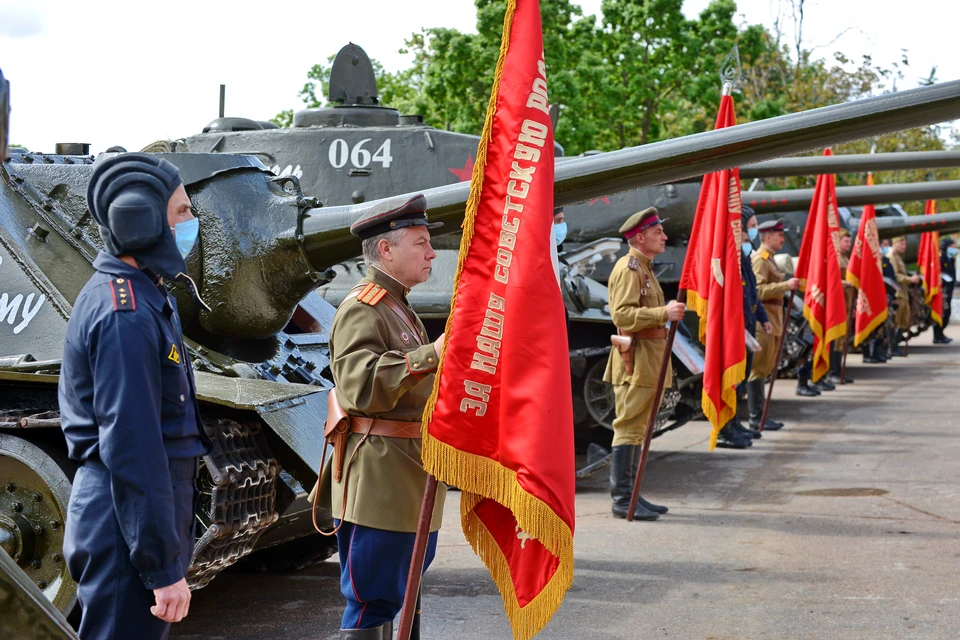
[260, 353]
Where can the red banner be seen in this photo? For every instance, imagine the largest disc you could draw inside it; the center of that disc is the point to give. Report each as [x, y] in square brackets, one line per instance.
[818, 268]
[500, 422]
[865, 272]
[712, 278]
[928, 261]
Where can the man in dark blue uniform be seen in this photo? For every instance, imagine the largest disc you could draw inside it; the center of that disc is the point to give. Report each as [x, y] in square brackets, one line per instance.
[734, 434]
[129, 410]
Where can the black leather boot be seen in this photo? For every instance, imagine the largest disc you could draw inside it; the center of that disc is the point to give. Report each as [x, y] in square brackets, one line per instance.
[804, 388]
[645, 504]
[824, 385]
[743, 431]
[728, 438]
[621, 484]
[366, 634]
[893, 338]
[755, 400]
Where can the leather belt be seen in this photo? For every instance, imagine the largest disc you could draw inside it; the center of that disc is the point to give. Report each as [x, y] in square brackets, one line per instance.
[649, 334]
[385, 428]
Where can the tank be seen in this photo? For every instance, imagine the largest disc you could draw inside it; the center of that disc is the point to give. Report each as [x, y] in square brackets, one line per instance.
[260, 352]
[358, 149]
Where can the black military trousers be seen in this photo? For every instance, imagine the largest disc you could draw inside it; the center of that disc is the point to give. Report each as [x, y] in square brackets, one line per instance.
[114, 602]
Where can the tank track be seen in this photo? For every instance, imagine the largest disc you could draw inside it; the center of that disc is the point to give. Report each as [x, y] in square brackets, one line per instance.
[238, 487]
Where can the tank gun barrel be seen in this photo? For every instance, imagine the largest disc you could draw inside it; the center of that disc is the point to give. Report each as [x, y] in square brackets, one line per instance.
[326, 238]
[4, 115]
[799, 199]
[891, 227]
[852, 163]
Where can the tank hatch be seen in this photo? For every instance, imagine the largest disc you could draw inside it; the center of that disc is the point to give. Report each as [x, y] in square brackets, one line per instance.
[353, 92]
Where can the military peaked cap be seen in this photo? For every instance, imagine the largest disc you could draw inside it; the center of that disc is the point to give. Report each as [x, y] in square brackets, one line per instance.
[641, 221]
[771, 225]
[391, 214]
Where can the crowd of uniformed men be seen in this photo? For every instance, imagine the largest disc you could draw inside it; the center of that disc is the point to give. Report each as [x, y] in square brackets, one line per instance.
[131, 419]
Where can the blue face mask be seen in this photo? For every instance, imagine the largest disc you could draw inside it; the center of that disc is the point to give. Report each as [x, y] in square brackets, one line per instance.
[747, 248]
[952, 252]
[560, 232]
[886, 250]
[752, 233]
[186, 235]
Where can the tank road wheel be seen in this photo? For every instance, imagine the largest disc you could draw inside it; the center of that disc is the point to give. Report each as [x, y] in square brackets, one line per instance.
[34, 494]
[598, 395]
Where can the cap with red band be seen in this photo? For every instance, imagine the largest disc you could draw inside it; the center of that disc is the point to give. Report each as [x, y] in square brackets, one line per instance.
[641, 221]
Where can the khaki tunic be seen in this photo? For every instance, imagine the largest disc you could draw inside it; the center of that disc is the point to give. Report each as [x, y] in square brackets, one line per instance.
[902, 316]
[636, 303]
[771, 289]
[850, 298]
[381, 371]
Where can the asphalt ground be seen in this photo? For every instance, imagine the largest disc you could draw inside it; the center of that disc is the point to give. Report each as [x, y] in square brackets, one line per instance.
[845, 524]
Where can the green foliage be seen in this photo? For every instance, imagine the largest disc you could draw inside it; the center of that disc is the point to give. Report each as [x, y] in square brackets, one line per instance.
[643, 72]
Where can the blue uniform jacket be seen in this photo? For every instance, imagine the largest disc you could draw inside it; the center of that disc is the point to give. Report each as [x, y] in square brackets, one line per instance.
[751, 299]
[128, 401]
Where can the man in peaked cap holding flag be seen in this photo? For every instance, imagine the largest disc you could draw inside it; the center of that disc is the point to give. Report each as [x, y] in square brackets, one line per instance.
[128, 408]
[771, 287]
[640, 314]
[383, 366]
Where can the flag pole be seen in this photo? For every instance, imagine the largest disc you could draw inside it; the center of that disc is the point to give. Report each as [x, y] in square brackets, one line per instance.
[655, 410]
[843, 363]
[410, 599]
[776, 363]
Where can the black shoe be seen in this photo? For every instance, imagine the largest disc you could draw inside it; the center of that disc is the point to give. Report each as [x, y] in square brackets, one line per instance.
[730, 438]
[733, 443]
[872, 360]
[649, 506]
[896, 351]
[824, 385]
[807, 390]
[641, 513]
[943, 340]
[744, 431]
[770, 425]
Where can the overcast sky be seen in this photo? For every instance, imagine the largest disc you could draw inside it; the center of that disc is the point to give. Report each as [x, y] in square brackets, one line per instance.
[128, 73]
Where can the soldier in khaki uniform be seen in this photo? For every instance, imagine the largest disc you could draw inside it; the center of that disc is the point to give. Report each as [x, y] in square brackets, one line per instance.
[850, 298]
[640, 315]
[772, 285]
[901, 319]
[383, 367]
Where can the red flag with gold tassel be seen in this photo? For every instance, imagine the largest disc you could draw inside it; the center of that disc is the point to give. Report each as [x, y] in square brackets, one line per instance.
[928, 261]
[818, 268]
[712, 278]
[865, 272]
[499, 423]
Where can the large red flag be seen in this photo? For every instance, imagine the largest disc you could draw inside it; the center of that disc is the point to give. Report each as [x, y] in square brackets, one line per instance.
[865, 272]
[500, 422]
[818, 268]
[712, 278]
[928, 261]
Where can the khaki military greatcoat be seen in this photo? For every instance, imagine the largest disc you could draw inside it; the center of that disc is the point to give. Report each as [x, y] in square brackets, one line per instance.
[771, 289]
[382, 369]
[636, 303]
[902, 316]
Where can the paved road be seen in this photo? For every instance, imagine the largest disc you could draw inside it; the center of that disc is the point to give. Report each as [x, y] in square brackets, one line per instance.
[845, 524]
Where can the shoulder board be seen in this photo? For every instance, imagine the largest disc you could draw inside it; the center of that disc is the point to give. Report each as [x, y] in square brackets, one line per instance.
[371, 294]
[122, 291]
[633, 263]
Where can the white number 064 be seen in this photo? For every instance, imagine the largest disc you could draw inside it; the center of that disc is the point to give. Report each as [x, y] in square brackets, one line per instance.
[340, 153]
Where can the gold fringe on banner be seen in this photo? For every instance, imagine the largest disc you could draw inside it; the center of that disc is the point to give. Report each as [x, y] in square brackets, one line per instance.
[821, 366]
[480, 477]
[873, 324]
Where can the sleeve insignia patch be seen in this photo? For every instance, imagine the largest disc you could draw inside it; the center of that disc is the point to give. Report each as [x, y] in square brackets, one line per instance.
[174, 354]
[371, 294]
[122, 292]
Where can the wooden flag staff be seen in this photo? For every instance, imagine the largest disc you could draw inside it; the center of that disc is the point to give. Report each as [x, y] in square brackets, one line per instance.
[655, 410]
[776, 363]
[410, 599]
